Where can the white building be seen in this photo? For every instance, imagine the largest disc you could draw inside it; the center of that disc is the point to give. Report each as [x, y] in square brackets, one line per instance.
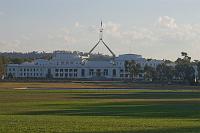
[66, 65]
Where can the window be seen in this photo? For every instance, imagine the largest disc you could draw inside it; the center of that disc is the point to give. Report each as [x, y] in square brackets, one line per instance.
[61, 74]
[61, 70]
[75, 74]
[70, 74]
[66, 70]
[70, 70]
[114, 73]
[56, 75]
[83, 72]
[105, 72]
[49, 71]
[91, 72]
[13, 69]
[56, 70]
[66, 75]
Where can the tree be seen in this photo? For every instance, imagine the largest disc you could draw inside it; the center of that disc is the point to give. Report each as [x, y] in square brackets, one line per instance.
[3, 62]
[185, 56]
[150, 73]
[133, 68]
[19, 60]
[167, 61]
[184, 68]
[197, 64]
[164, 72]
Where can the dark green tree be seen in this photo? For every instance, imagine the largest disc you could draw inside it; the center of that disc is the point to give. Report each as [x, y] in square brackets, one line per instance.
[19, 60]
[3, 62]
[150, 73]
[184, 69]
[164, 72]
[133, 68]
[197, 64]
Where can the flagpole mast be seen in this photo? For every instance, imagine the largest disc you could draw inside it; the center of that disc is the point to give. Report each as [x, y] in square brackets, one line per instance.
[101, 40]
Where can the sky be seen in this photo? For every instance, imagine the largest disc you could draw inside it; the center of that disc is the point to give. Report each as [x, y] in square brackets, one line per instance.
[159, 29]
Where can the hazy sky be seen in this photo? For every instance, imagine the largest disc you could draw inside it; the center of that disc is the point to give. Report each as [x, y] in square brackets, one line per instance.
[153, 28]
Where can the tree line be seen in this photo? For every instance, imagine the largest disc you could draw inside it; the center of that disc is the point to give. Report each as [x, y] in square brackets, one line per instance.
[184, 70]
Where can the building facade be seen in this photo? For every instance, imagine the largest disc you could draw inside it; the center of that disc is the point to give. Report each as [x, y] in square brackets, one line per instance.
[66, 65]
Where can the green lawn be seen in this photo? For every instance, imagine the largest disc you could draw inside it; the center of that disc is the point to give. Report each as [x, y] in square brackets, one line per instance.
[99, 111]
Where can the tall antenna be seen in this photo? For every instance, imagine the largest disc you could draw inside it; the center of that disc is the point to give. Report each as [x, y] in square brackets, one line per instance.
[101, 40]
[101, 32]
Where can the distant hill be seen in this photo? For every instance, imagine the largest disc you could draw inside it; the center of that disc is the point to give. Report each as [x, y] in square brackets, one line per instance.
[44, 55]
[30, 55]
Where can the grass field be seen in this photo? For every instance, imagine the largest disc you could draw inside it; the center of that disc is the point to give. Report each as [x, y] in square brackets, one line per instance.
[90, 84]
[99, 111]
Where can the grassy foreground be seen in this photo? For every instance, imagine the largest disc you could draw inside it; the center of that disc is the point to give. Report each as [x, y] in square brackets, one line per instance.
[99, 111]
[89, 84]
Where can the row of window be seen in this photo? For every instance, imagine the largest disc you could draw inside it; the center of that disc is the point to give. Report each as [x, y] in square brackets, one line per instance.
[73, 72]
[100, 72]
[66, 75]
[66, 70]
[30, 69]
[26, 74]
[11, 69]
[26, 69]
[30, 74]
[91, 71]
